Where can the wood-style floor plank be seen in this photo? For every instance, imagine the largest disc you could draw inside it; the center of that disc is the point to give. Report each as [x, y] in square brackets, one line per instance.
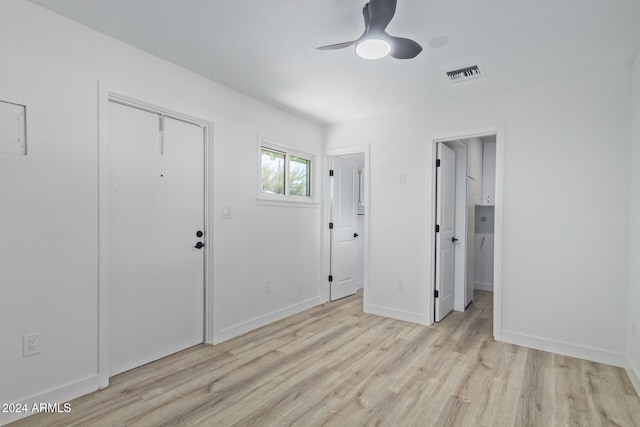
[333, 365]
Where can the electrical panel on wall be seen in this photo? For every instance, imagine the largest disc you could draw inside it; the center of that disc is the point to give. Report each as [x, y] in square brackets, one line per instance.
[13, 129]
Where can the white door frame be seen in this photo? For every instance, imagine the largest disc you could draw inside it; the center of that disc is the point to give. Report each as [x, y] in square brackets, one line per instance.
[105, 95]
[498, 131]
[334, 152]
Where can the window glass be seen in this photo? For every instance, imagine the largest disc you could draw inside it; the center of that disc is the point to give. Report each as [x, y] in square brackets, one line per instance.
[272, 171]
[299, 170]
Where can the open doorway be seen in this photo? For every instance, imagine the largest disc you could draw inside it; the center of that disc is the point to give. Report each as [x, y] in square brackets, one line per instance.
[467, 221]
[346, 215]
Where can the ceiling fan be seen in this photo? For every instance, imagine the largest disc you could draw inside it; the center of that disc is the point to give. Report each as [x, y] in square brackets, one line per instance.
[375, 43]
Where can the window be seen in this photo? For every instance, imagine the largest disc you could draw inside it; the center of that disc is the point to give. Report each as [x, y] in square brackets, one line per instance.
[285, 175]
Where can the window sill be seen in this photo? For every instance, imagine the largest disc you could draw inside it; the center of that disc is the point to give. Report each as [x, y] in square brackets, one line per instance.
[288, 203]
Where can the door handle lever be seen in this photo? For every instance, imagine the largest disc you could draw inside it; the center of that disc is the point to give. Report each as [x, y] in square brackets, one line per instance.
[453, 240]
[355, 235]
[199, 245]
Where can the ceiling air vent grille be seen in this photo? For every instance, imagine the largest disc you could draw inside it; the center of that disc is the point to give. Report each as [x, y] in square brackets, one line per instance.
[464, 74]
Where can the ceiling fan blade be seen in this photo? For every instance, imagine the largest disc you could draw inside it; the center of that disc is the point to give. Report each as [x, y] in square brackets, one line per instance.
[402, 48]
[337, 45]
[365, 13]
[380, 14]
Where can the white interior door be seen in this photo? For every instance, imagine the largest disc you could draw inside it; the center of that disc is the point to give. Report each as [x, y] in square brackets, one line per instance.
[445, 237]
[344, 199]
[156, 208]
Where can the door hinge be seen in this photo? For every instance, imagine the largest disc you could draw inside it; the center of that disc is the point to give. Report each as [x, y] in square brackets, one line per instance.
[437, 228]
[435, 293]
[330, 172]
[437, 163]
[330, 278]
[330, 226]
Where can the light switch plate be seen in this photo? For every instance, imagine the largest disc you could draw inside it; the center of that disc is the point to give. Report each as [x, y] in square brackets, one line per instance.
[13, 129]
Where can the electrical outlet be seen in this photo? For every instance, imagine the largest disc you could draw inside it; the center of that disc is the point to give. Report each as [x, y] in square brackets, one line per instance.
[31, 344]
[400, 285]
[267, 285]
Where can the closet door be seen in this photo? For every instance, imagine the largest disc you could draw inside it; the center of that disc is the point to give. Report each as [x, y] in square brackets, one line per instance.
[445, 237]
[344, 247]
[156, 209]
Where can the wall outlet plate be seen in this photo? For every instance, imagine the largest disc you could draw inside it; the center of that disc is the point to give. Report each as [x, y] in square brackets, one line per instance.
[31, 344]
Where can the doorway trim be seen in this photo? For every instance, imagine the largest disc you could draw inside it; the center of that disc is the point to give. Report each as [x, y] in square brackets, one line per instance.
[498, 131]
[326, 198]
[106, 95]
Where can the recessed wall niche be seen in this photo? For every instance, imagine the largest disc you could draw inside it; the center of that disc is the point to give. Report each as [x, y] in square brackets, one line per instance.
[13, 129]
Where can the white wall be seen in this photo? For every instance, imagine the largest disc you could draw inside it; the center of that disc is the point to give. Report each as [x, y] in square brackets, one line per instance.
[49, 199]
[488, 173]
[483, 250]
[566, 199]
[359, 273]
[634, 253]
[359, 266]
[484, 218]
[460, 247]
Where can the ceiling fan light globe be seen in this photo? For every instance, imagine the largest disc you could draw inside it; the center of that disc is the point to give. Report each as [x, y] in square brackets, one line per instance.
[373, 49]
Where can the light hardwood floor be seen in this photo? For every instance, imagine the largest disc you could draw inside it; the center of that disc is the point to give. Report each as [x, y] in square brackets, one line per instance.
[333, 365]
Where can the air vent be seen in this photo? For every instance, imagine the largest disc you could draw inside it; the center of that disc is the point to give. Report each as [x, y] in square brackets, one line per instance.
[464, 74]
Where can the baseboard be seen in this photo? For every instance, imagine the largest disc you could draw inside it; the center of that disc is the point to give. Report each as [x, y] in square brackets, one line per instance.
[483, 286]
[565, 348]
[360, 285]
[407, 316]
[256, 322]
[634, 375]
[61, 395]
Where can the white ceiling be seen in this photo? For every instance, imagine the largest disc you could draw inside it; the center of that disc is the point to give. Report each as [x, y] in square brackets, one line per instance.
[266, 48]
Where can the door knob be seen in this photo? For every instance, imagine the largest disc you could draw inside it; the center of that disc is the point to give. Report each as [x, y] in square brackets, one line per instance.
[355, 235]
[453, 240]
[199, 245]
[199, 233]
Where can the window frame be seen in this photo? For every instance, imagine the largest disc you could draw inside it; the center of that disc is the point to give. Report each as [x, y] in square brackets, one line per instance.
[287, 197]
